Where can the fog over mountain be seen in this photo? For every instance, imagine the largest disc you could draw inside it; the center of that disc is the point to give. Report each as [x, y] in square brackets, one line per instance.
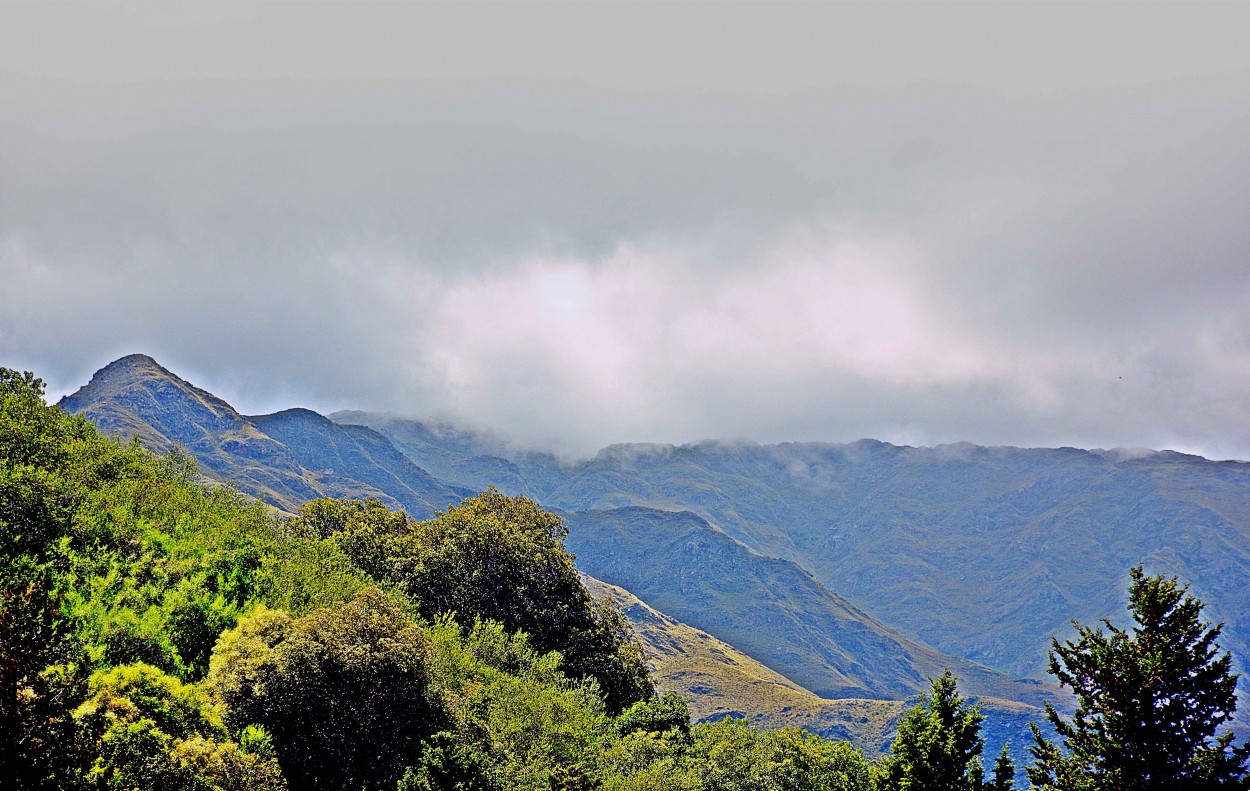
[1008, 224]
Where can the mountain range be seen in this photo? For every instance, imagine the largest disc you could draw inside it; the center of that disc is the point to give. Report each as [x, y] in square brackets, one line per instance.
[982, 552]
[813, 584]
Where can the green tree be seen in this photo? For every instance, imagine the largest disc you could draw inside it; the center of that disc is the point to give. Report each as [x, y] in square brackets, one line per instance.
[939, 746]
[1150, 701]
[144, 730]
[731, 755]
[344, 691]
[667, 713]
[499, 558]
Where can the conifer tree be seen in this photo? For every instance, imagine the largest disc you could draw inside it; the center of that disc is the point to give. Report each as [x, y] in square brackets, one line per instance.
[939, 745]
[1150, 702]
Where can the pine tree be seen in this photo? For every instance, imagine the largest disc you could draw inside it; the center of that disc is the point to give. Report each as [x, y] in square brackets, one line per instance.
[939, 746]
[1149, 702]
[1004, 773]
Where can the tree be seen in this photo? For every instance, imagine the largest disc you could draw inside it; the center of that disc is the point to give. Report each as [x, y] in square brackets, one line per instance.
[145, 730]
[1150, 701]
[499, 558]
[345, 692]
[731, 755]
[939, 746]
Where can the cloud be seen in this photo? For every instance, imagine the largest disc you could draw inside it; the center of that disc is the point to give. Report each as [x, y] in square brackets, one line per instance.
[928, 223]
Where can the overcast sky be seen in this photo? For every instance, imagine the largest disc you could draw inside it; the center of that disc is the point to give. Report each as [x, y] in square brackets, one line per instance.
[583, 224]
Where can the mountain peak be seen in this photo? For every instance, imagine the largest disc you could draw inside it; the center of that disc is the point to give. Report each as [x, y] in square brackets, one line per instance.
[131, 364]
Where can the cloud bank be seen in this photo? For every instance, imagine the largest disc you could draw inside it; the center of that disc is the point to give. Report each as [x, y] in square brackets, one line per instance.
[582, 225]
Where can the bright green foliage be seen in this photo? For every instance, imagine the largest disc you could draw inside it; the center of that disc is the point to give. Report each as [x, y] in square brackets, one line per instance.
[1150, 701]
[344, 691]
[143, 729]
[666, 713]
[177, 709]
[939, 745]
[732, 756]
[493, 557]
[539, 721]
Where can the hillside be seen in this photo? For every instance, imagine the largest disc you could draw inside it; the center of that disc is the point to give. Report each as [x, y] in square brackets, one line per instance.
[768, 608]
[161, 634]
[284, 459]
[720, 681]
[980, 552]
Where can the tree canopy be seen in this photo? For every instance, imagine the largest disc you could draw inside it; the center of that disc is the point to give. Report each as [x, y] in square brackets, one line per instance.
[495, 557]
[1151, 701]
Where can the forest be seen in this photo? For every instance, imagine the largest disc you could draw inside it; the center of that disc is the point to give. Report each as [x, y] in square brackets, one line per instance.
[161, 632]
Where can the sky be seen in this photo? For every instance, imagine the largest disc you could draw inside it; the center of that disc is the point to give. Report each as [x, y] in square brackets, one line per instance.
[580, 224]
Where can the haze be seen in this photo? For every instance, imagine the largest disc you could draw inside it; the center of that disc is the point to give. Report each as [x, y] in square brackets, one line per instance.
[582, 224]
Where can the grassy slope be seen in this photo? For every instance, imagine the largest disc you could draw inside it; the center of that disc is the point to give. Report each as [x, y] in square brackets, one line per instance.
[720, 681]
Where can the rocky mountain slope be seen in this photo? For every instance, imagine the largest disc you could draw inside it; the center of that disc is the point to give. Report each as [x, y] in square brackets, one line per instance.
[284, 459]
[769, 608]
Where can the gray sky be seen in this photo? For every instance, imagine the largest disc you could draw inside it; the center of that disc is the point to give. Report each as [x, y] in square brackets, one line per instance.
[582, 224]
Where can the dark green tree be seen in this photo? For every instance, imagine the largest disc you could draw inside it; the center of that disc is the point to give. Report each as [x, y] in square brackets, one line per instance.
[939, 746]
[345, 692]
[498, 558]
[1150, 701]
[1004, 773]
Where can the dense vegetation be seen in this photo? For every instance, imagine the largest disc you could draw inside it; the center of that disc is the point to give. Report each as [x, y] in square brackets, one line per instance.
[162, 634]
[157, 633]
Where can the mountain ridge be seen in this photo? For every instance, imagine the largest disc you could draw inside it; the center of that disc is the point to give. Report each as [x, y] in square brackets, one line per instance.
[268, 456]
[969, 548]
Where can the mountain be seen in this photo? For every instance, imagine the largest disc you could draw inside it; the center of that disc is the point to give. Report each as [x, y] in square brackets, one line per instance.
[284, 459]
[720, 681]
[982, 552]
[768, 608]
[677, 561]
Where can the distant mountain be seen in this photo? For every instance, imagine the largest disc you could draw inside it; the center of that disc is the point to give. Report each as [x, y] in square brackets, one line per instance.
[768, 608]
[284, 459]
[720, 681]
[980, 552]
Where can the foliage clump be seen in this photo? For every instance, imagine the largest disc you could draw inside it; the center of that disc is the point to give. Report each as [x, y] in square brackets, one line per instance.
[492, 557]
[331, 687]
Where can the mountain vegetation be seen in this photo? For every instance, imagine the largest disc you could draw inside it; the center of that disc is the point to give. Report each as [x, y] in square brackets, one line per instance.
[165, 634]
